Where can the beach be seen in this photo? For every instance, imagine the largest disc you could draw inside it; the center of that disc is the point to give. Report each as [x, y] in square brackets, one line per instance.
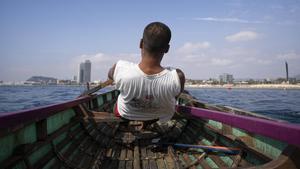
[238, 86]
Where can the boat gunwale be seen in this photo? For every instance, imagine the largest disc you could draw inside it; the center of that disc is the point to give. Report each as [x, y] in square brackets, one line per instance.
[268, 128]
[17, 118]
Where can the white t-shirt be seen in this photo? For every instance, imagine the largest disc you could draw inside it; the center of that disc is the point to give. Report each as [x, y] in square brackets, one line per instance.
[146, 97]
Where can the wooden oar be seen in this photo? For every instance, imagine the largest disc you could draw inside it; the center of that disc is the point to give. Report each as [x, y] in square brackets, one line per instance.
[95, 89]
[222, 149]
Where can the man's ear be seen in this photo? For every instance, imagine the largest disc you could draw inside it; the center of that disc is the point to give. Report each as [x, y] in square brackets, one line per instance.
[167, 49]
[141, 44]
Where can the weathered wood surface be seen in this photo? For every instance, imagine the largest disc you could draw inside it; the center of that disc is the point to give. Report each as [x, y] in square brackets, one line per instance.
[87, 142]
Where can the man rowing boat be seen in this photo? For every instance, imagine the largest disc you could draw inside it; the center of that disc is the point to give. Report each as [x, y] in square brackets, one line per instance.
[148, 90]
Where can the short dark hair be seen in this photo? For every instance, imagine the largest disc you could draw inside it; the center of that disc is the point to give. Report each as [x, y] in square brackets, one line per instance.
[156, 37]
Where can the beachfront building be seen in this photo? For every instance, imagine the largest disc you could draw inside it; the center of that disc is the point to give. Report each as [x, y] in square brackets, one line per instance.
[226, 78]
[85, 72]
[287, 72]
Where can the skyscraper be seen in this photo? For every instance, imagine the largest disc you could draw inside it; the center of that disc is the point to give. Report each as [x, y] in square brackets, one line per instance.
[287, 71]
[85, 72]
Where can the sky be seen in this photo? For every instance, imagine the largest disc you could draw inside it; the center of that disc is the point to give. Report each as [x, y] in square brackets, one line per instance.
[246, 38]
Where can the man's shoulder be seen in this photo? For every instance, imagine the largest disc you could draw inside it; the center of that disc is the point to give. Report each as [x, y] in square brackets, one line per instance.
[178, 71]
[125, 63]
[124, 68]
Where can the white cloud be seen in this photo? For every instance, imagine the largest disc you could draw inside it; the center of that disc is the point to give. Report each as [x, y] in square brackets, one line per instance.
[276, 7]
[242, 36]
[190, 47]
[263, 62]
[266, 20]
[101, 62]
[289, 56]
[94, 58]
[256, 60]
[233, 20]
[102, 58]
[221, 62]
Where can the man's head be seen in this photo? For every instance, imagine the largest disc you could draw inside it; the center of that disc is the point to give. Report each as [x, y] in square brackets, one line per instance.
[156, 38]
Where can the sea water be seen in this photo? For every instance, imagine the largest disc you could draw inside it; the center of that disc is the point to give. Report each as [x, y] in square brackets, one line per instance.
[275, 103]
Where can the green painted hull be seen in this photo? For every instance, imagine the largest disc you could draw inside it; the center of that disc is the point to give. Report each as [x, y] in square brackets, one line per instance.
[74, 137]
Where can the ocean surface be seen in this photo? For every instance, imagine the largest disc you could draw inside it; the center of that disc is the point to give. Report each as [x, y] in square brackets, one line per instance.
[275, 103]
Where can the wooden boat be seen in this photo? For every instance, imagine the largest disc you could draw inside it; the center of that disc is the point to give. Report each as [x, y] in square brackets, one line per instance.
[73, 135]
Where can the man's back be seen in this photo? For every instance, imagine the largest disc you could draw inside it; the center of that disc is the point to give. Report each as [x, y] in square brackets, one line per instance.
[146, 97]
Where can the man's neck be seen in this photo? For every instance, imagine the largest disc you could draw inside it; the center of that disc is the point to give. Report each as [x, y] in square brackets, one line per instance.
[150, 64]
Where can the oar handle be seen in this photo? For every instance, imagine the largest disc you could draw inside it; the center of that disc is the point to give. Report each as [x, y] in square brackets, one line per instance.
[95, 89]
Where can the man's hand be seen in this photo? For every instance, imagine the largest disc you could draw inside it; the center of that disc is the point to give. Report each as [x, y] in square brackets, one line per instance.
[181, 78]
[111, 72]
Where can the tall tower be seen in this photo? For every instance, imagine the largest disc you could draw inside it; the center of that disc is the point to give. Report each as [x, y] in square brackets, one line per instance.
[287, 71]
[85, 72]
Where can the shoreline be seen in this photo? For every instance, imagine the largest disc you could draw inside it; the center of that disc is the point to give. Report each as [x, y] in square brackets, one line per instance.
[255, 86]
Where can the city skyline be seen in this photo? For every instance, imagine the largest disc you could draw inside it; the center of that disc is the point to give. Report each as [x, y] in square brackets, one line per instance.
[84, 75]
[249, 39]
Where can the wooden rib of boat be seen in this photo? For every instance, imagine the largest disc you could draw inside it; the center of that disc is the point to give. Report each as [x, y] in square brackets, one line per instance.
[73, 135]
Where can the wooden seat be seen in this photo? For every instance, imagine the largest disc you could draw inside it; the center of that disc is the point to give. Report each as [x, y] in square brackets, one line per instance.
[103, 117]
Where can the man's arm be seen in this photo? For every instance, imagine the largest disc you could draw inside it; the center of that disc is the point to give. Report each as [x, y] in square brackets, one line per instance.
[181, 78]
[111, 72]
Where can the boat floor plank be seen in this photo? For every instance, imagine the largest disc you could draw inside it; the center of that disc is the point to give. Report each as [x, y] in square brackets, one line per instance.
[122, 156]
[160, 161]
[151, 155]
[188, 161]
[169, 162]
[129, 164]
[129, 159]
[121, 164]
[216, 159]
[116, 152]
[145, 161]
[173, 157]
[136, 156]
[220, 163]
[204, 164]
